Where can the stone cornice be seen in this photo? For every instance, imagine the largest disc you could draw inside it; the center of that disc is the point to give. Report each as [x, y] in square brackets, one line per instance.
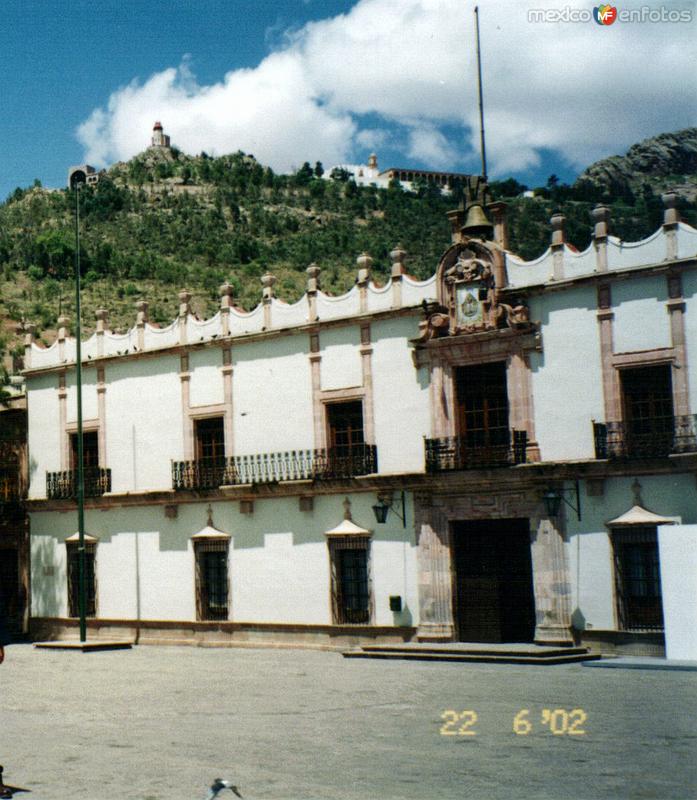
[229, 340]
[523, 476]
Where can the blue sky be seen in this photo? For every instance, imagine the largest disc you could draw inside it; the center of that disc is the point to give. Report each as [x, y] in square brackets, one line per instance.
[295, 80]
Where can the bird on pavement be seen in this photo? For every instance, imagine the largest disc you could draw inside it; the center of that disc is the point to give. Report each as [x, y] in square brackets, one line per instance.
[218, 785]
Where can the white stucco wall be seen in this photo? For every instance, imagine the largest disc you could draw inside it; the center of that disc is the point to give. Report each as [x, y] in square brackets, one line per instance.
[591, 567]
[206, 382]
[340, 367]
[641, 321]
[677, 547]
[272, 396]
[400, 397]
[278, 561]
[144, 425]
[568, 367]
[44, 435]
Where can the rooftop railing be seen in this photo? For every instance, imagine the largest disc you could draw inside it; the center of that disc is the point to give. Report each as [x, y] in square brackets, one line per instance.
[292, 465]
[458, 452]
[656, 438]
[63, 485]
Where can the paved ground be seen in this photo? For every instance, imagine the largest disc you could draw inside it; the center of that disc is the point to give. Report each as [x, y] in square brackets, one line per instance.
[162, 722]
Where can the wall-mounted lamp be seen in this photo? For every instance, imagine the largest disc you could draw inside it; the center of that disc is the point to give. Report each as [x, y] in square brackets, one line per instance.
[553, 498]
[384, 505]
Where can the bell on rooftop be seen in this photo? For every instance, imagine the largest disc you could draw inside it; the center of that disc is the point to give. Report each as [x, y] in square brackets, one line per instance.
[477, 223]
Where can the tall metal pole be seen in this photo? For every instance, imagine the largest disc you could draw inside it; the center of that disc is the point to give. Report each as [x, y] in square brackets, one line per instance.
[82, 565]
[481, 98]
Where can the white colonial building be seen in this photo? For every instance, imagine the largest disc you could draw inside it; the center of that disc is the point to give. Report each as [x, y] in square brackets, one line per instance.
[525, 430]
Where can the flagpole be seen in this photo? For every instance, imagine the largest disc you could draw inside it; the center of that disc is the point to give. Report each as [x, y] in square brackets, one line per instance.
[481, 98]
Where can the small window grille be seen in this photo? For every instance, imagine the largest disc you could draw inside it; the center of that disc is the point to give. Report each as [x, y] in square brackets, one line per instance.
[73, 553]
[351, 584]
[638, 579]
[212, 584]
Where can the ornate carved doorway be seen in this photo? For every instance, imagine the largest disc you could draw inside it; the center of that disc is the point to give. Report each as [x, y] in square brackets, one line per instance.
[493, 598]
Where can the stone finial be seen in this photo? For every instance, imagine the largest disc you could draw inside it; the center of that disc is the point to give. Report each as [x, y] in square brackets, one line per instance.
[601, 217]
[142, 312]
[671, 215]
[398, 256]
[63, 323]
[365, 263]
[267, 282]
[557, 221]
[312, 278]
[184, 303]
[225, 291]
[101, 316]
[29, 330]
[347, 509]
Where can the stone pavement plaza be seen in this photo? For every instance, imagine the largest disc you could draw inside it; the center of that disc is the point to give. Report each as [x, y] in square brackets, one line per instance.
[162, 722]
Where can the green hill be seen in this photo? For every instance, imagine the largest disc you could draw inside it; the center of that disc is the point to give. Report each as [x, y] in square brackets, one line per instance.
[166, 220]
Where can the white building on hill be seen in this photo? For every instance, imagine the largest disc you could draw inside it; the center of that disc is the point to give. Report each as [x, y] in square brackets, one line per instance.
[526, 427]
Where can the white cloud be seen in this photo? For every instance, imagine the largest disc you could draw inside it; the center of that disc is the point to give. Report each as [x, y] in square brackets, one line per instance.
[581, 89]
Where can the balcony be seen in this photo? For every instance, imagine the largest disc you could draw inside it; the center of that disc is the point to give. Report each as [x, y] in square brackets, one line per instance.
[657, 438]
[63, 485]
[458, 452]
[294, 465]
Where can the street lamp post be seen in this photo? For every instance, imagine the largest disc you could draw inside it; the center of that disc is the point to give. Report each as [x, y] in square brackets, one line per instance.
[82, 560]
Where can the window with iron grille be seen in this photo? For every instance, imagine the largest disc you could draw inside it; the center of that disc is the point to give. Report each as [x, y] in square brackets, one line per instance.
[212, 584]
[648, 410]
[90, 450]
[210, 439]
[482, 409]
[351, 585]
[73, 554]
[638, 579]
[345, 421]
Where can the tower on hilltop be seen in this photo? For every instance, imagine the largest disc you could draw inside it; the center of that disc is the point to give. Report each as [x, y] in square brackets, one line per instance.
[159, 137]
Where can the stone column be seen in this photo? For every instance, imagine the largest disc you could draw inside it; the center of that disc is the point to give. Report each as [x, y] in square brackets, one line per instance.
[601, 217]
[434, 573]
[676, 309]
[227, 370]
[398, 256]
[611, 391]
[367, 373]
[101, 413]
[671, 218]
[552, 585]
[225, 305]
[557, 221]
[317, 409]
[185, 379]
[267, 282]
[312, 288]
[141, 321]
[63, 422]
[365, 263]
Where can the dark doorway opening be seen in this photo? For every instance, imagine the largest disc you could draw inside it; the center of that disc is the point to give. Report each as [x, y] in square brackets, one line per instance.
[11, 600]
[493, 596]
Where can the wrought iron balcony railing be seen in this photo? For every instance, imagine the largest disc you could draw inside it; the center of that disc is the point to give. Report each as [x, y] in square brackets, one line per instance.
[293, 465]
[458, 452]
[657, 438]
[63, 485]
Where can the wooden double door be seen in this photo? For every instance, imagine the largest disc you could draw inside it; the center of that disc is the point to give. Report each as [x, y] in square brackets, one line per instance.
[493, 598]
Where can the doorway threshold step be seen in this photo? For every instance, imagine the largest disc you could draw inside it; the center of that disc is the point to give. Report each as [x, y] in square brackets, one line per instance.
[493, 654]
